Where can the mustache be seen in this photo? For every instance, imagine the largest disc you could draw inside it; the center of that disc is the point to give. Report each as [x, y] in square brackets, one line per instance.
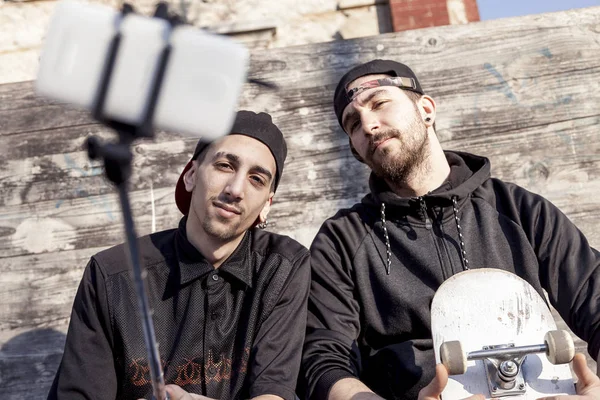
[380, 137]
[227, 204]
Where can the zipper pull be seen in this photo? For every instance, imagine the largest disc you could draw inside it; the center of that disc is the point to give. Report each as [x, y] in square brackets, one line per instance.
[424, 212]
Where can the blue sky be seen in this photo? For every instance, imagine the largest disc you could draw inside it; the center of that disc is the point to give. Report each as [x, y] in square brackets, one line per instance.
[492, 9]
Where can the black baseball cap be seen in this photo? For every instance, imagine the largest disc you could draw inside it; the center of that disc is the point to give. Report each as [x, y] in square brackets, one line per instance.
[405, 79]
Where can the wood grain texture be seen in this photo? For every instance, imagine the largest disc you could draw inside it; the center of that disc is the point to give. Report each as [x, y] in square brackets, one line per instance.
[524, 92]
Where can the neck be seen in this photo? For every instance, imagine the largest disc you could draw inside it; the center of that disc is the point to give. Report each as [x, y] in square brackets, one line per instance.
[427, 176]
[215, 250]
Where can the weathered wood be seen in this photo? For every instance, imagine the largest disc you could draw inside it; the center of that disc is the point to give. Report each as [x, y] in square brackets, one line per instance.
[523, 92]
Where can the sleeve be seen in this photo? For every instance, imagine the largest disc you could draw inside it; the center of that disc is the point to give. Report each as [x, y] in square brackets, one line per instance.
[277, 348]
[87, 369]
[333, 323]
[569, 267]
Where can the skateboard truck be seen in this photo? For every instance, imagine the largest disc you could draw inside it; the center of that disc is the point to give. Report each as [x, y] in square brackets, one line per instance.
[504, 372]
[504, 362]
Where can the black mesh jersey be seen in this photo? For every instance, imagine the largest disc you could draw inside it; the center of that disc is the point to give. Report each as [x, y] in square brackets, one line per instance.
[235, 332]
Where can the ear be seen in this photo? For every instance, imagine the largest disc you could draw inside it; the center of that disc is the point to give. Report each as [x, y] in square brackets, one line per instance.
[189, 178]
[262, 217]
[427, 106]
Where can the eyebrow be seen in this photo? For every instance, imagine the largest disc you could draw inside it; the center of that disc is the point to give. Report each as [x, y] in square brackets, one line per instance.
[262, 170]
[231, 157]
[236, 160]
[353, 113]
[373, 94]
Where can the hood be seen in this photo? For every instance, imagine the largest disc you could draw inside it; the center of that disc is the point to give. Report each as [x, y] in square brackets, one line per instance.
[467, 173]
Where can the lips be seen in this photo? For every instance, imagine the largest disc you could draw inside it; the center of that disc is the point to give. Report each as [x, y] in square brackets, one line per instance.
[378, 143]
[227, 207]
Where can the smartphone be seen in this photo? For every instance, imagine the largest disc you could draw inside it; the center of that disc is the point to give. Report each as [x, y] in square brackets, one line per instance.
[200, 87]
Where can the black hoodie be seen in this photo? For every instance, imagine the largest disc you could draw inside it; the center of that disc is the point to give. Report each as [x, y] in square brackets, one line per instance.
[369, 307]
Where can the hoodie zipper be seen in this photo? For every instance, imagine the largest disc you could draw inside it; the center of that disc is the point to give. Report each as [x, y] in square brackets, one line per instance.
[424, 212]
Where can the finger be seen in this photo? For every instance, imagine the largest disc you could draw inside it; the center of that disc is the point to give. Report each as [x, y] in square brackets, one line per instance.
[585, 375]
[476, 397]
[437, 385]
[561, 397]
[175, 392]
[440, 381]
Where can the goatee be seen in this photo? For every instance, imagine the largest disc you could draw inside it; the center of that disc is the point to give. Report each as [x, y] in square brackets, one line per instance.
[396, 164]
[219, 227]
[224, 233]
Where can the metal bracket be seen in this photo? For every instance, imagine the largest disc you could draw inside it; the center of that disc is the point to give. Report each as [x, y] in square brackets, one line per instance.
[504, 373]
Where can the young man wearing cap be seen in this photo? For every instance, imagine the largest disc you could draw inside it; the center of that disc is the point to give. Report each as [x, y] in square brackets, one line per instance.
[229, 299]
[430, 214]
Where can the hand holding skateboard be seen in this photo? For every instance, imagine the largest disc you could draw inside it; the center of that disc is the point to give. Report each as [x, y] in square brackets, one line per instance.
[588, 384]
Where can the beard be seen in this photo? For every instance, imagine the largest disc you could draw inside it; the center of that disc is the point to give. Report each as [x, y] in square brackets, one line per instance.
[396, 163]
[220, 231]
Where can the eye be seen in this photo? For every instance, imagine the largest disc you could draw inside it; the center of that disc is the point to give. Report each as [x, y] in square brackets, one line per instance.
[258, 180]
[223, 166]
[378, 104]
[354, 125]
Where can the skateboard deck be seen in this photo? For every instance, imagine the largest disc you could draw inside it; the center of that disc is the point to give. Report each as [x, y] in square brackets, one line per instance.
[485, 309]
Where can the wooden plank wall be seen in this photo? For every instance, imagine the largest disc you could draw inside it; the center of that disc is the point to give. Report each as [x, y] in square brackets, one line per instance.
[524, 92]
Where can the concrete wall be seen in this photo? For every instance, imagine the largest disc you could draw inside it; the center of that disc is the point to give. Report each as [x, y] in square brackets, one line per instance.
[258, 23]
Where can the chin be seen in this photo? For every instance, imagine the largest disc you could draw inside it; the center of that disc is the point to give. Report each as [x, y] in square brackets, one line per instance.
[220, 230]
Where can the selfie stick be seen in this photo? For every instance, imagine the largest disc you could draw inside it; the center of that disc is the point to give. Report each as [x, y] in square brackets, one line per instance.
[117, 159]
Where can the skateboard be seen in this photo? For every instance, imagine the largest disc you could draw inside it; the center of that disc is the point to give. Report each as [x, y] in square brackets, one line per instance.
[497, 337]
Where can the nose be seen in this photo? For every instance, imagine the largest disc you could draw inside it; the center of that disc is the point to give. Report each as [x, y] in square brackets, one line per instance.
[370, 124]
[235, 186]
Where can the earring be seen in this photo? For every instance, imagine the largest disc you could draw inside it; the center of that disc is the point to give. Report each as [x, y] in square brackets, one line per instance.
[263, 225]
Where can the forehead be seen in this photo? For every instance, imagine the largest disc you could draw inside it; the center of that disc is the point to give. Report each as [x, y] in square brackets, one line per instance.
[248, 150]
[359, 81]
[363, 95]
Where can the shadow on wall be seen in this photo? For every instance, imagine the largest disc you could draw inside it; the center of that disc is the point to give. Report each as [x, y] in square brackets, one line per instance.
[28, 363]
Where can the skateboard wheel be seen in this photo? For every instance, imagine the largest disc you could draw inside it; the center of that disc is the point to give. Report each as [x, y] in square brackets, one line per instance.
[453, 357]
[561, 349]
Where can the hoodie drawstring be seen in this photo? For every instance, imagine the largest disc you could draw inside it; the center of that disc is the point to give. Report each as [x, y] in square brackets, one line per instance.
[388, 247]
[463, 252]
[424, 212]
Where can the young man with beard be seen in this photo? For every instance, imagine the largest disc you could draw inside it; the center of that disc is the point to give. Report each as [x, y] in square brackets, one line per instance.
[229, 299]
[430, 214]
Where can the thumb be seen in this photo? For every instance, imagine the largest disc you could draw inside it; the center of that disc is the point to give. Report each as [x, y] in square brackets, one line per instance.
[175, 392]
[436, 386]
[584, 374]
